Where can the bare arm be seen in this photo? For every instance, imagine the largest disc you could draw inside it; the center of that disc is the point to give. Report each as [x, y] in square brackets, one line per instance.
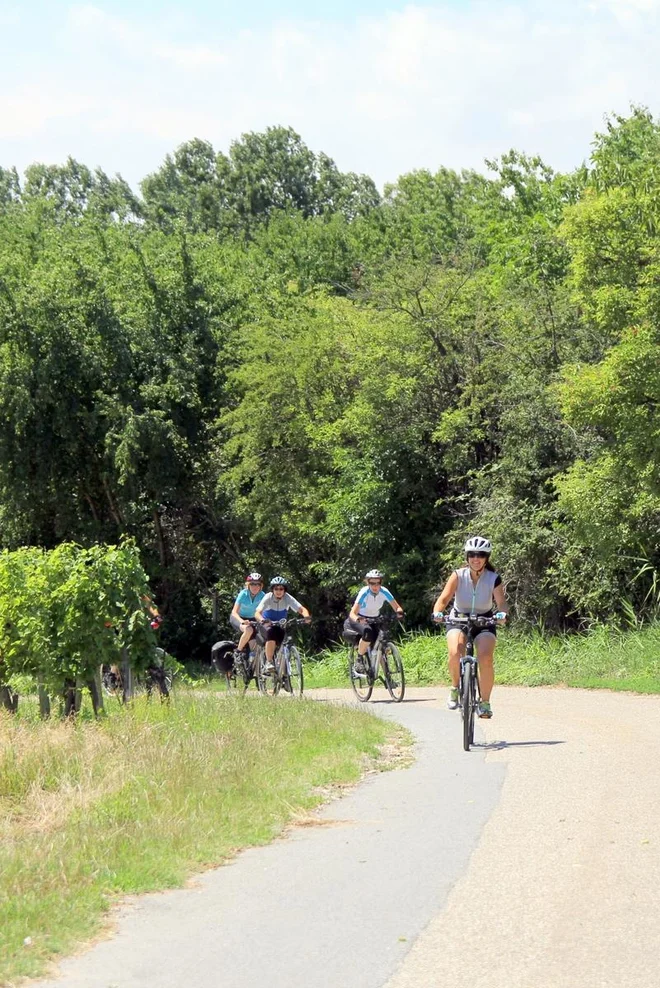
[448, 594]
[500, 599]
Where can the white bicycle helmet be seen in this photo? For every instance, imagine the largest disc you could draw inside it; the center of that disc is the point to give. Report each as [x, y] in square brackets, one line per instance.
[254, 578]
[279, 581]
[373, 574]
[478, 544]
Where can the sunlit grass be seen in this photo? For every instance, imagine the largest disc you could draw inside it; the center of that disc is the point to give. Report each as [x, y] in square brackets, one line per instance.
[604, 657]
[148, 795]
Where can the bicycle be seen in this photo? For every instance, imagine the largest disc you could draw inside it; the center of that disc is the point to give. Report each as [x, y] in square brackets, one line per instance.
[245, 664]
[469, 696]
[381, 661]
[120, 682]
[286, 670]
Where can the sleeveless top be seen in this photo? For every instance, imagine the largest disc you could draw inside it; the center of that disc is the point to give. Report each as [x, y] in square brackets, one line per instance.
[475, 598]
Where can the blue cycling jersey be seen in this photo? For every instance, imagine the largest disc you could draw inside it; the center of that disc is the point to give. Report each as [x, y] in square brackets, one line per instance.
[247, 604]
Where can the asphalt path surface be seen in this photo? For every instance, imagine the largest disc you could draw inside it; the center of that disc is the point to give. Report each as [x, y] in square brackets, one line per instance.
[530, 862]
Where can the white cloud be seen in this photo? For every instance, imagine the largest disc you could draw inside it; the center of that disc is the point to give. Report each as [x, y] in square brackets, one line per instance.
[25, 111]
[421, 87]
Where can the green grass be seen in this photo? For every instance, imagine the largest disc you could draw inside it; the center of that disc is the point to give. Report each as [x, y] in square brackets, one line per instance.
[602, 658]
[147, 796]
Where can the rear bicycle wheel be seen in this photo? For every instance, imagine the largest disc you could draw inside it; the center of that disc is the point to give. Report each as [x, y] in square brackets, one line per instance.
[393, 673]
[296, 678]
[467, 705]
[362, 683]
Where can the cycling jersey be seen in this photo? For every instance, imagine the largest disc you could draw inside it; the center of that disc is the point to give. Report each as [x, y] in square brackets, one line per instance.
[276, 609]
[475, 598]
[369, 604]
[247, 604]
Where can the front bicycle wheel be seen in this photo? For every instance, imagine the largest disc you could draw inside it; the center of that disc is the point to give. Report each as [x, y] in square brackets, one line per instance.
[296, 678]
[467, 705]
[393, 673]
[361, 681]
[268, 679]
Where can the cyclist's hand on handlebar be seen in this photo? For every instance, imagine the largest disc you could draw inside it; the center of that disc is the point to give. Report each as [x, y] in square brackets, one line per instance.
[438, 616]
[501, 616]
[399, 614]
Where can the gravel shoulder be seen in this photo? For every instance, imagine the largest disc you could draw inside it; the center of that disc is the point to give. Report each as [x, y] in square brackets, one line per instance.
[563, 887]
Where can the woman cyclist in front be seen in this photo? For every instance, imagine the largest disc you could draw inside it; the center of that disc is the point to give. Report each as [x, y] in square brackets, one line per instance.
[473, 588]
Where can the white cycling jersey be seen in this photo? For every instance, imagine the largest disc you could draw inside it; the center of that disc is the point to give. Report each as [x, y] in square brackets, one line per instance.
[369, 604]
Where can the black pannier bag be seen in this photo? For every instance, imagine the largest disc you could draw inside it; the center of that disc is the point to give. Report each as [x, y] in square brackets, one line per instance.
[349, 634]
[222, 656]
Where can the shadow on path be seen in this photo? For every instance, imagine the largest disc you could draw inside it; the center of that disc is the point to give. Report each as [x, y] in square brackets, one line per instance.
[498, 745]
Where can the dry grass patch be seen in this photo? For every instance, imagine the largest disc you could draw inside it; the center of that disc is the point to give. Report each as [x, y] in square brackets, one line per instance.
[153, 793]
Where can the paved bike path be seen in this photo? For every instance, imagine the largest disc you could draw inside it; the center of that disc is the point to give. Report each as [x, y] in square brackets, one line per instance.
[338, 904]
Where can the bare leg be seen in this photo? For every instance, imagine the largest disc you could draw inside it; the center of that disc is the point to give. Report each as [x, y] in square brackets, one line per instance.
[456, 647]
[485, 646]
[245, 637]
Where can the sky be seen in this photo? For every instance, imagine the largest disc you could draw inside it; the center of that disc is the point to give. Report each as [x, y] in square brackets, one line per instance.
[382, 87]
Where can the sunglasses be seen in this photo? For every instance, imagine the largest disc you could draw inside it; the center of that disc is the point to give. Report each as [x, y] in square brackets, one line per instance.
[374, 583]
[477, 555]
[254, 584]
[275, 589]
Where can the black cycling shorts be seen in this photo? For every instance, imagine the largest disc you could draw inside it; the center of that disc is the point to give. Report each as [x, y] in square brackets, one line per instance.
[274, 633]
[365, 631]
[456, 626]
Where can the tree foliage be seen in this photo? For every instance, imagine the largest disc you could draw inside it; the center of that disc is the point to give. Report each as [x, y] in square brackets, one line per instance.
[261, 362]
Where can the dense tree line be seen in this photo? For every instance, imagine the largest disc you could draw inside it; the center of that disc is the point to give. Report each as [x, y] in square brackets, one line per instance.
[259, 361]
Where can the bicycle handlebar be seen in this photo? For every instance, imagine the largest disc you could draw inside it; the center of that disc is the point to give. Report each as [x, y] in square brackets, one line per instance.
[477, 621]
[287, 622]
[382, 619]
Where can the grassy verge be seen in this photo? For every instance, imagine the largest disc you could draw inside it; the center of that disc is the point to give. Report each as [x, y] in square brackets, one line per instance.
[604, 658]
[147, 796]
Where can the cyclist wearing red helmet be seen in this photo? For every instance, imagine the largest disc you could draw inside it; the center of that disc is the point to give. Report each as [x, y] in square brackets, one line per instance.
[473, 588]
[245, 607]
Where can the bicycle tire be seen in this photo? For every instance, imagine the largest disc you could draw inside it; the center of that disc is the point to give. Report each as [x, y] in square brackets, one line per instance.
[363, 686]
[467, 705]
[269, 682]
[241, 672]
[395, 679]
[296, 677]
[248, 673]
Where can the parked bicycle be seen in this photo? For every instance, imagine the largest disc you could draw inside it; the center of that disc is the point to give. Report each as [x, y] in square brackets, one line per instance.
[381, 662]
[121, 682]
[286, 670]
[469, 696]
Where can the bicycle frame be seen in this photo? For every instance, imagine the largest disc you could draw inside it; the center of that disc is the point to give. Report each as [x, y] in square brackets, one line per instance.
[374, 654]
[468, 692]
[382, 661]
[282, 669]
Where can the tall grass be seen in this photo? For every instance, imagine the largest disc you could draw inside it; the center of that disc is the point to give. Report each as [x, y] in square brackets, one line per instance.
[603, 657]
[141, 799]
